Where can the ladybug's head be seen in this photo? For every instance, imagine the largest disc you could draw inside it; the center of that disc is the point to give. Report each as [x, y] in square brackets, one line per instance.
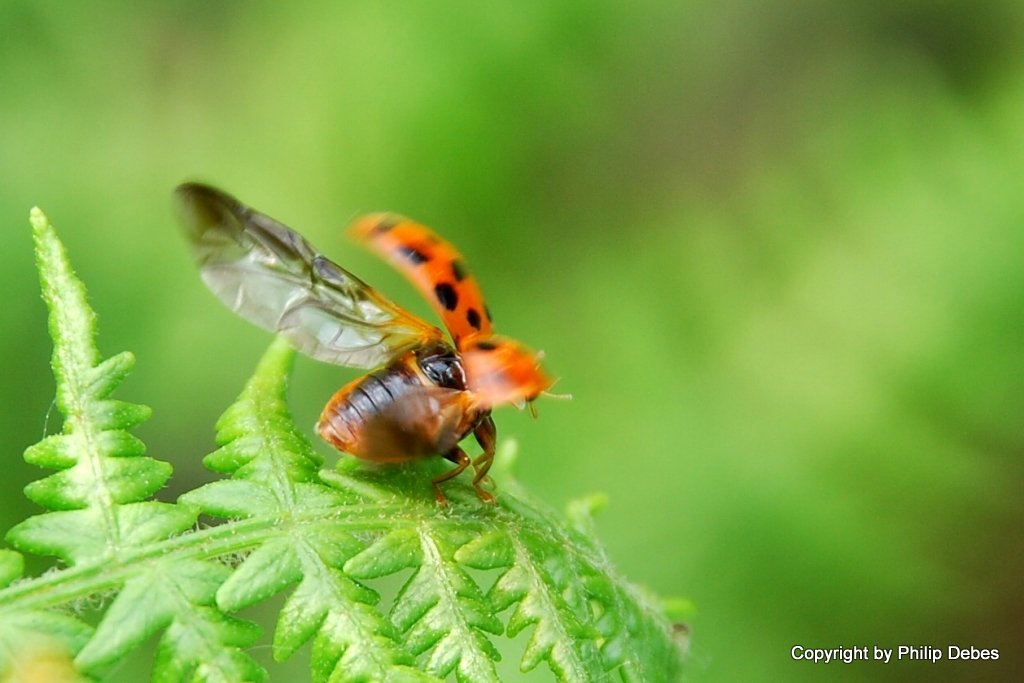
[499, 371]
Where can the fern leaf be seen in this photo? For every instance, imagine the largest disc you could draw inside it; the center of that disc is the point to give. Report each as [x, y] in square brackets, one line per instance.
[273, 468]
[100, 522]
[101, 465]
[12, 566]
[21, 629]
[637, 637]
[538, 594]
[440, 610]
[258, 440]
[176, 597]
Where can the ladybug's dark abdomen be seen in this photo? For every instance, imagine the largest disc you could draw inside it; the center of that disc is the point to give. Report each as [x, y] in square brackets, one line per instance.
[365, 418]
[402, 411]
[379, 390]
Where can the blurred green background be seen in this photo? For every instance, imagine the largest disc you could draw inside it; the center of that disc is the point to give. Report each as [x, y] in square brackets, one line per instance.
[775, 251]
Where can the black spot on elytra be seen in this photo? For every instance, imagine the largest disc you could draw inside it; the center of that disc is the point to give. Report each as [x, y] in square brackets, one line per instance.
[446, 295]
[486, 345]
[459, 270]
[473, 318]
[412, 255]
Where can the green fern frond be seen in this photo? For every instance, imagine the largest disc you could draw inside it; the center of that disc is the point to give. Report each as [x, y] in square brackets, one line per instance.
[101, 524]
[102, 471]
[535, 583]
[472, 573]
[440, 610]
[305, 541]
[12, 566]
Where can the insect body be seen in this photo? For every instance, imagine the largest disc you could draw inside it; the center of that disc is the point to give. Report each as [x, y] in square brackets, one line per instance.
[426, 394]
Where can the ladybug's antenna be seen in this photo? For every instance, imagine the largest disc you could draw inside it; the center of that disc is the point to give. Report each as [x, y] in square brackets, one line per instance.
[560, 397]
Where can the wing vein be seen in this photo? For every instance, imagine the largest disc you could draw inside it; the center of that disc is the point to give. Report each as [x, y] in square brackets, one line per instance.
[270, 275]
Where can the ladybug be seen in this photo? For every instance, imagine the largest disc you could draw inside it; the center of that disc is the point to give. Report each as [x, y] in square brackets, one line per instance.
[425, 394]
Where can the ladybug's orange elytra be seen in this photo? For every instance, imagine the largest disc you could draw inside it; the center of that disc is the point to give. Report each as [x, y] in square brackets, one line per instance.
[434, 266]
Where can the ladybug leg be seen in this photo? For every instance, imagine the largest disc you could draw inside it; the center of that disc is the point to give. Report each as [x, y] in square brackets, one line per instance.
[486, 435]
[462, 461]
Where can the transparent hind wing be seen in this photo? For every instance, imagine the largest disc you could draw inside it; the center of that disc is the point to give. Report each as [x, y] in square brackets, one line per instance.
[270, 275]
